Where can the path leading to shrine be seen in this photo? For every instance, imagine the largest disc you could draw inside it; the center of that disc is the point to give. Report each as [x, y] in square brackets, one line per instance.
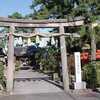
[31, 85]
[31, 82]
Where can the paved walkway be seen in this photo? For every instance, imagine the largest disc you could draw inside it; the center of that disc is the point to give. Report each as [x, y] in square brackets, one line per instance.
[34, 87]
[31, 86]
[30, 82]
[46, 96]
[52, 96]
[29, 74]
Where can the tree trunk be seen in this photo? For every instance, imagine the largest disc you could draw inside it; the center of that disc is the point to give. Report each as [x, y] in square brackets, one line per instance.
[93, 46]
[93, 58]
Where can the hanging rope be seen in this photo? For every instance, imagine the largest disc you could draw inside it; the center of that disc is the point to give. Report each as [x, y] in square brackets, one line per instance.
[37, 39]
[27, 35]
[52, 41]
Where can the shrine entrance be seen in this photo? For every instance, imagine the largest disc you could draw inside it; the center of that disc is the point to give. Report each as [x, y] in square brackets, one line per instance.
[24, 23]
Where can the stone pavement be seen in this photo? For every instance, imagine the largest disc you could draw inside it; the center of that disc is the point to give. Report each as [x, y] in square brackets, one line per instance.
[86, 96]
[31, 86]
[52, 96]
[29, 82]
[34, 87]
[29, 74]
[46, 96]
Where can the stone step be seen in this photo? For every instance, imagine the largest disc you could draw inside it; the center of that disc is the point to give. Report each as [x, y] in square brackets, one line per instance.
[33, 79]
[24, 68]
[29, 74]
[34, 87]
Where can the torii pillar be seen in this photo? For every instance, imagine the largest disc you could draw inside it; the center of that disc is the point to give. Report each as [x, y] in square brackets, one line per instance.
[64, 59]
[10, 67]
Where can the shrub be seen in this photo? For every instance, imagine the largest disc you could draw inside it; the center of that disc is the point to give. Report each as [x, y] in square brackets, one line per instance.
[47, 57]
[98, 73]
[89, 72]
[2, 77]
[17, 65]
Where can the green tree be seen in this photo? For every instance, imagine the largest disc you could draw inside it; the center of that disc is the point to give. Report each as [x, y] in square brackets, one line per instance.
[68, 8]
[47, 58]
[90, 75]
[50, 8]
[89, 9]
[16, 15]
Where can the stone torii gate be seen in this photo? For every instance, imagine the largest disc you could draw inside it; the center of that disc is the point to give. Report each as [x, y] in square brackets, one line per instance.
[53, 23]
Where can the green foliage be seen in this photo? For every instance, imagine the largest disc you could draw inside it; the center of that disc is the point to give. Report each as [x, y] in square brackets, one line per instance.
[3, 42]
[85, 35]
[17, 65]
[90, 75]
[16, 15]
[98, 73]
[2, 77]
[47, 58]
[53, 8]
[65, 8]
[97, 32]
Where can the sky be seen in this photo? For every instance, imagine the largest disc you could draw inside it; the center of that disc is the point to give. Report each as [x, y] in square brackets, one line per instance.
[7, 7]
